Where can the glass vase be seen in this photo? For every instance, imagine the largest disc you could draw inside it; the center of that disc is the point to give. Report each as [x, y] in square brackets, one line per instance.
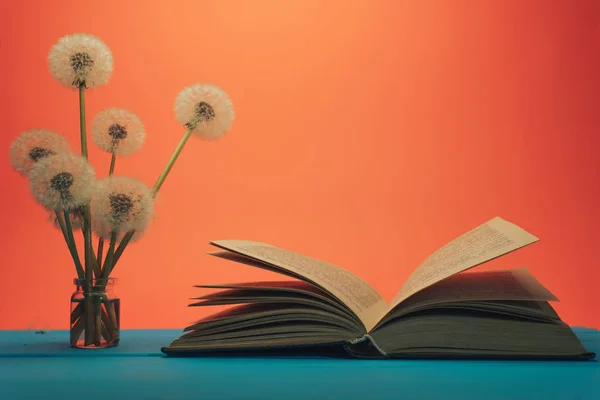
[95, 314]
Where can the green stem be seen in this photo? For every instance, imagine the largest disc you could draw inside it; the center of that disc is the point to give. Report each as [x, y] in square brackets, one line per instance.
[87, 226]
[97, 320]
[106, 324]
[100, 250]
[76, 313]
[88, 319]
[111, 170]
[90, 259]
[113, 159]
[124, 242]
[92, 262]
[109, 255]
[63, 228]
[76, 331]
[167, 169]
[82, 127]
[67, 230]
[113, 325]
[87, 223]
[127, 238]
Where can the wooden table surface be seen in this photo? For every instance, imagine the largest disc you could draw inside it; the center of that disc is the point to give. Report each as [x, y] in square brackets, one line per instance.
[43, 366]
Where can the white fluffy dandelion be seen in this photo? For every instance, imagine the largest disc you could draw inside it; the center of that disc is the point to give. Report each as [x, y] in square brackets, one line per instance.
[118, 131]
[205, 108]
[121, 204]
[81, 60]
[34, 145]
[62, 182]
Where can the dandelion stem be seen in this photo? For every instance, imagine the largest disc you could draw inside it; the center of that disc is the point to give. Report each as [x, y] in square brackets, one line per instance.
[100, 250]
[167, 169]
[111, 170]
[87, 224]
[82, 127]
[87, 238]
[67, 229]
[155, 189]
[122, 246]
[109, 255]
[63, 228]
[113, 159]
[93, 261]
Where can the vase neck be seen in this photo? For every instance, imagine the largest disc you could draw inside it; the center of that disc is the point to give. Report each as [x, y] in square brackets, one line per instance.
[95, 285]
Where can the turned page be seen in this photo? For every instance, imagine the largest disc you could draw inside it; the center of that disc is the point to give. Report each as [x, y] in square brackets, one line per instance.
[486, 242]
[355, 293]
[513, 284]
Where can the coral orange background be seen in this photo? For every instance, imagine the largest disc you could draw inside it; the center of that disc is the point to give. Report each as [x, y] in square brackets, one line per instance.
[368, 134]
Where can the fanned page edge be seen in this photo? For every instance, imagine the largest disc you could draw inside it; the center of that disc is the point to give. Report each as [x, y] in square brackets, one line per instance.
[252, 262]
[369, 316]
[520, 238]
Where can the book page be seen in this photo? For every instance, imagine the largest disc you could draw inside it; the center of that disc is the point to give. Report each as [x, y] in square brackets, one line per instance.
[297, 286]
[512, 284]
[484, 243]
[505, 285]
[356, 294]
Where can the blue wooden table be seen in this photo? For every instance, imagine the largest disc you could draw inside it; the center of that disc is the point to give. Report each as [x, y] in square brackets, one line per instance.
[43, 366]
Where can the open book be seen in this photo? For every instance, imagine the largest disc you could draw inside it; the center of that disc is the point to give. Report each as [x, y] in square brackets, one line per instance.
[441, 311]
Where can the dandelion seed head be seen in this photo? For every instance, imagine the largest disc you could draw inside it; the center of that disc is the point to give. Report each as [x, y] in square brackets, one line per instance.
[81, 60]
[206, 109]
[121, 204]
[119, 131]
[204, 112]
[34, 145]
[38, 153]
[62, 181]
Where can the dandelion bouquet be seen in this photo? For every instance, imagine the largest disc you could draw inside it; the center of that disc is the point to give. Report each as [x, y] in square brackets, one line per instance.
[113, 211]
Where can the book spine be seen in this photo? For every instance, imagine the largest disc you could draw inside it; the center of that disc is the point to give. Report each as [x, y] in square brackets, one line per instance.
[365, 347]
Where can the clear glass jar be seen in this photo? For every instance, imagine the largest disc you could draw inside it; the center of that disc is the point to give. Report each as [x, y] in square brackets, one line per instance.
[95, 314]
